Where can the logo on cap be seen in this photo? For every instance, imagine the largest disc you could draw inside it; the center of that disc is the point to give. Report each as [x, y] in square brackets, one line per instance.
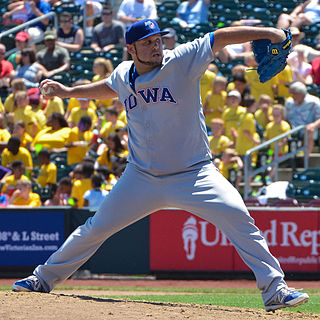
[150, 24]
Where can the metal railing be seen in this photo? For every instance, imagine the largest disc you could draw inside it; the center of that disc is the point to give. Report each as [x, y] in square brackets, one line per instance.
[26, 25]
[248, 172]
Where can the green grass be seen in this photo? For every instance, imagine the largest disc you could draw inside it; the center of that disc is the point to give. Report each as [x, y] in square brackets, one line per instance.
[229, 297]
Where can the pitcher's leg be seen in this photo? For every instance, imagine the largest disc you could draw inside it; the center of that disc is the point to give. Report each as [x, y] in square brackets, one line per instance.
[132, 198]
[210, 196]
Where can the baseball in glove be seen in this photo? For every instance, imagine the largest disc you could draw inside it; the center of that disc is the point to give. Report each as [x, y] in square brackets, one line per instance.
[271, 57]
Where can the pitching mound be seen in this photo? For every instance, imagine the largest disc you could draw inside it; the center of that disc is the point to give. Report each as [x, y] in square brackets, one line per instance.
[86, 305]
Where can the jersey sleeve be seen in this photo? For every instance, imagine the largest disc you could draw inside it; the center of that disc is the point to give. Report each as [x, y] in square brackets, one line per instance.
[195, 56]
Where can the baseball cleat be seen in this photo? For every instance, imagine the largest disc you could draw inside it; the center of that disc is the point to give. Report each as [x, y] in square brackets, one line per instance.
[28, 284]
[287, 297]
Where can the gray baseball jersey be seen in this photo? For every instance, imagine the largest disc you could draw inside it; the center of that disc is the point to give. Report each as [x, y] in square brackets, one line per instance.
[167, 131]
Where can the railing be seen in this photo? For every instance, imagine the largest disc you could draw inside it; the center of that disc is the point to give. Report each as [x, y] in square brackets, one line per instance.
[248, 172]
[27, 24]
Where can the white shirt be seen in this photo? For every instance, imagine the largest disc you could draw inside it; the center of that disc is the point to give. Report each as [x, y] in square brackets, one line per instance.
[95, 197]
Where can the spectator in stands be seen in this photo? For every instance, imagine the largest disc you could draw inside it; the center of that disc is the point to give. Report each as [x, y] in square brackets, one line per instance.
[60, 193]
[69, 36]
[54, 105]
[303, 109]
[15, 152]
[10, 181]
[263, 115]
[170, 39]
[9, 103]
[281, 85]
[29, 69]
[102, 68]
[35, 101]
[240, 84]
[122, 115]
[83, 110]
[53, 58]
[54, 135]
[114, 153]
[131, 11]
[12, 16]
[232, 114]
[306, 13]
[107, 34]
[215, 100]
[4, 132]
[218, 141]
[80, 186]
[21, 41]
[206, 82]
[301, 69]
[5, 69]
[48, 170]
[23, 196]
[315, 71]
[94, 196]
[192, 12]
[19, 131]
[112, 123]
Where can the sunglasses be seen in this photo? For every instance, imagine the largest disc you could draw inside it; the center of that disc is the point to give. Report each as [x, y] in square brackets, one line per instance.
[106, 13]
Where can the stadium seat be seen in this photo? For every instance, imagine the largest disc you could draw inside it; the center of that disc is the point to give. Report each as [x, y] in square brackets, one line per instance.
[252, 202]
[290, 202]
[313, 203]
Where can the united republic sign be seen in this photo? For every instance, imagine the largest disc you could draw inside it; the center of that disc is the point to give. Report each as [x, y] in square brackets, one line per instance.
[182, 241]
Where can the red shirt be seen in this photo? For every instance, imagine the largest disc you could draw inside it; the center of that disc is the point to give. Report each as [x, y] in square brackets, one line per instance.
[5, 68]
[316, 70]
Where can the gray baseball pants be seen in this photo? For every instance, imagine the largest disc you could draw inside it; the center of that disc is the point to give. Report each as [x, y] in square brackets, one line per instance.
[201, 190]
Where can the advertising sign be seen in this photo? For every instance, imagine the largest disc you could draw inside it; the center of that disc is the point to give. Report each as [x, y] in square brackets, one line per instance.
[28, 238]
[182, 241]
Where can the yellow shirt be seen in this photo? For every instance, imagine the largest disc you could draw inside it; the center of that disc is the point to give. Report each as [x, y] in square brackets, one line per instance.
[232, 117]
[256, 87]
[50, 139]
[273, 130]
[206, 83]
[284, 76]
[79, 188]
[41, 119]
[224, 168]
[219, 144]
[108, 128]
[10, 183]
[23, 154]
[105, 102]
[25, 140]
[103, 158]
[77, 113]
[76, 154]
[2, 109]
[74, 103]
[9, 104]
[27, 116]
[47, 174]
[34, 201]
[215, 102]
[261, 117]
[4, 135]
[123, 117]
[54, 105]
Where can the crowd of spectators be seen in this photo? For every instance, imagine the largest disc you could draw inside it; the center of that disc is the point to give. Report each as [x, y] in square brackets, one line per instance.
[72, 152]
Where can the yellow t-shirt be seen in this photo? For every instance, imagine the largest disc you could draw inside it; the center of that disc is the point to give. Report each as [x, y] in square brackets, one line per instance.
[103, 158]
[47, 174]
[219, 144]
[25, 140]
[34, 201]
[2, 109]
[23, 154]
[123, 117]
[108, 128]
[256, 87]
[105, 102]
[79, 188]
[9, 104]
[41, 119]
[206, 83]
[232, 117]
[284, 76]
[4, 135]
[54, 105]
[215, 102]
[76, 154]
[74, 103]
[261, 117]
[77, 113]
[273, 130]
[50, 139]
[9, 184]
[27, 116]
[224, 168]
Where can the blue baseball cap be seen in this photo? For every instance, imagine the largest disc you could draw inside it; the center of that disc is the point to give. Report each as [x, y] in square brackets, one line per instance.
[142, 29]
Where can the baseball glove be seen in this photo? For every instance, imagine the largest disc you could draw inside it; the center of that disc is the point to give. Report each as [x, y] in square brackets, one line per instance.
[271, 57]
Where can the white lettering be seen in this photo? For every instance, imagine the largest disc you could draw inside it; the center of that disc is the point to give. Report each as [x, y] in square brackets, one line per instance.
[288, 231]
[271, 234]
[204, 239]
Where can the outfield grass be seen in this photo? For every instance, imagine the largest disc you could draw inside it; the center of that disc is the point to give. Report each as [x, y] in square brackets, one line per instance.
[229, 297]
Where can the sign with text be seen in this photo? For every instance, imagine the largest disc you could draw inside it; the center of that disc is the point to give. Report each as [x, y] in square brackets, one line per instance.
[181, 241]
[29, 238]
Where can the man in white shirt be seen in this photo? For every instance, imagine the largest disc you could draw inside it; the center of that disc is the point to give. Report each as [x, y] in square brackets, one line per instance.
[131, 11]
